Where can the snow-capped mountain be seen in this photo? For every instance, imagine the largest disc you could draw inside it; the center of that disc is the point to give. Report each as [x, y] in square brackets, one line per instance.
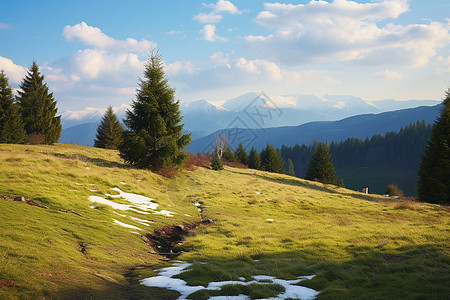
[71, 118]
[253, 110]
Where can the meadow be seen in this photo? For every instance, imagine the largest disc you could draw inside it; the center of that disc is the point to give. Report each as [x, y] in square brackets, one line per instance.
[358, 246]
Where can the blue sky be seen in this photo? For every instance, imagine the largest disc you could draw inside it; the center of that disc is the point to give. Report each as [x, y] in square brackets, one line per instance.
[92, 52]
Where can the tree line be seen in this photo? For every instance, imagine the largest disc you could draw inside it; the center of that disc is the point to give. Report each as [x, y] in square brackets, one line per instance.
[31, 116]
[153, 138]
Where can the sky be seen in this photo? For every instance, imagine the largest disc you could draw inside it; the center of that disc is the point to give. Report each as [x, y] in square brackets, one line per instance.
[92, 52]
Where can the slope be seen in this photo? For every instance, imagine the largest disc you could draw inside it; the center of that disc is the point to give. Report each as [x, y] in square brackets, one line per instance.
[358, 246]
[360, 126]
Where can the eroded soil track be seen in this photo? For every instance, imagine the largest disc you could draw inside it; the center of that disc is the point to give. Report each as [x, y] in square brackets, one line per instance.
[165, 240]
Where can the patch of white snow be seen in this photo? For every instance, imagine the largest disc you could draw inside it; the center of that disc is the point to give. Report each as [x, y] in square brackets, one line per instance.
[125, 225]
[139, 201]
[164, 213]
[114, 205]
[165, 280]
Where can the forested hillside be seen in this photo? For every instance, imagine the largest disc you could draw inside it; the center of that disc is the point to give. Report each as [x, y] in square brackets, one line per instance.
[374, 162]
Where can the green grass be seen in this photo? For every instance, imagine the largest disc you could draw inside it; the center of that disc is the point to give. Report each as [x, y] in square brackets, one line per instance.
[378, 177]
[358, 246]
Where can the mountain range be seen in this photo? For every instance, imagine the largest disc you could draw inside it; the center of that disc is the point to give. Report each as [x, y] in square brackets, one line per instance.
[251, 111]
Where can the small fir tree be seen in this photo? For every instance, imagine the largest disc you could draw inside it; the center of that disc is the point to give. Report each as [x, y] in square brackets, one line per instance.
[290, 168]
[228, 154]
[109, 132]
[271, 160]
[11, 125]
[241, 154]
[320, 167]
[434, 170]
[38, 107]
[216, 162]
[254, 160]
[155, 138]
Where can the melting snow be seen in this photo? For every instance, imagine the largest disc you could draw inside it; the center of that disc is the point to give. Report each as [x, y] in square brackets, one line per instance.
[140, 201]
[143, 222]
[125, 225]
[164, 213]
[110, 203]
[165, 280]
[258, 193]
[119, 214]
[122, 182]
[137, 202]
[269, 220]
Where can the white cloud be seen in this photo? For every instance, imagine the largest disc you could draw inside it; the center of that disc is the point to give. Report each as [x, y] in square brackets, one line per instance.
[14, 72]
[215, 11]
[208, 18]
[94, 37]
[209, 34]
[443, 66]
[344, 30]
[223, 6]
[389, 75]
[247, 74]
[178, 67]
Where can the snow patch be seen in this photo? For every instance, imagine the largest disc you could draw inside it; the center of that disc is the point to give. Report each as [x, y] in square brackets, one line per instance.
[139, 201]
[165, 280]
[125, 225]
[142, 222]
[114, 205]
[164, 213]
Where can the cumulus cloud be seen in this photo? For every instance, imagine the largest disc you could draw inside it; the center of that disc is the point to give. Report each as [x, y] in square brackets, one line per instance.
[389, 75]
[215, 11]
[223, 6]
[208, 18]
[14, 72]
[209, 34]
[344, 30]
[94, 37]
[229, 72]
[443, 65]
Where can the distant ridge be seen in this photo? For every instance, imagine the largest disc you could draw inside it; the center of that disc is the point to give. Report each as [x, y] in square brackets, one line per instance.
[360, 126]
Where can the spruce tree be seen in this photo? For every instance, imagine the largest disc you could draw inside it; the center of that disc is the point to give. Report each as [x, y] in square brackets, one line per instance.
[254, 160]
[290, 168]
[434, 170]
[109, 132]
[155, 138]
[216, 163]
[11, 125]
[271, 160]
[320, 166]
[241, 154]
[38, 107]
[228, 154]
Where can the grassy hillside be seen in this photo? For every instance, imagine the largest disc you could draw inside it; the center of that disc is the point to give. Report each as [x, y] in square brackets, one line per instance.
[358, 246]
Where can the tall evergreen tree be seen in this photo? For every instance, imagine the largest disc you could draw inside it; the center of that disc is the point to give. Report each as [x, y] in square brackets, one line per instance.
[228, 154]
[155, 138]
[109, 132]
[38, 107]
[216, 163]
[241, 154]
[290, 168]
[254, 160]
[11, 125]
[434, 170]
[321, 166]
[271, 160]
